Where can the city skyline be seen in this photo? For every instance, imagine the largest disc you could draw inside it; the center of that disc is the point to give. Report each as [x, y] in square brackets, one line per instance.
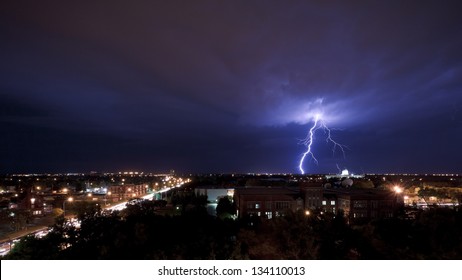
[209, 87]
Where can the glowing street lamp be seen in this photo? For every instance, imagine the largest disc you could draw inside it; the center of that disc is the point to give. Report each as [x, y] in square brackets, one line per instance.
[105, 197]
[70, 199]
[398, 191]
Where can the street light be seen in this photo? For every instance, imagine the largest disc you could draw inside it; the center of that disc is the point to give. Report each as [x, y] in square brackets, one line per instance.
[105, 197]
[70, 199]
[398, 194]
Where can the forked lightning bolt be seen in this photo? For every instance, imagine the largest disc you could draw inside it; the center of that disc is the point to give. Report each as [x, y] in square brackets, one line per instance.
[308, 141]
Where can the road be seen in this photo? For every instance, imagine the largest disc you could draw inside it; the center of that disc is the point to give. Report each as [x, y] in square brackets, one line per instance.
[5, 247]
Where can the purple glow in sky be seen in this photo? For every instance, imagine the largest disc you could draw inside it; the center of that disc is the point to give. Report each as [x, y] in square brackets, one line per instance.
[212, 86]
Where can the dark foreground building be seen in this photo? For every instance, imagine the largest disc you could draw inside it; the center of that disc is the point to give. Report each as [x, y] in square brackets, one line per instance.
[267, 202]
[357, 204]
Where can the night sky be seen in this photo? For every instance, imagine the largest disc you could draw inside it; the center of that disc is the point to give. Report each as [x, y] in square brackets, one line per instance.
[230, 86]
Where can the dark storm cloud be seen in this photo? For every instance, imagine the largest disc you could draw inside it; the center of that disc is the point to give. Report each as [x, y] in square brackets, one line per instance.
[233, 83]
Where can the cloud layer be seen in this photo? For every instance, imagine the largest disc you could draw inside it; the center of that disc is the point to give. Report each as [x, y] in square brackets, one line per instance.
[230, 86]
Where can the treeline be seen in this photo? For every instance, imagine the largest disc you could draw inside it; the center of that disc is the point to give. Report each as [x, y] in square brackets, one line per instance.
[140, 232]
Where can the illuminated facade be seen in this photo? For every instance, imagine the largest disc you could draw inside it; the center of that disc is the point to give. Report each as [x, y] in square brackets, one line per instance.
[125, 192]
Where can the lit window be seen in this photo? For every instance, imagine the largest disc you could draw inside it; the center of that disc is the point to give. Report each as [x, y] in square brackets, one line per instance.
[324, 202]
[257, 205]
[332, 202]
